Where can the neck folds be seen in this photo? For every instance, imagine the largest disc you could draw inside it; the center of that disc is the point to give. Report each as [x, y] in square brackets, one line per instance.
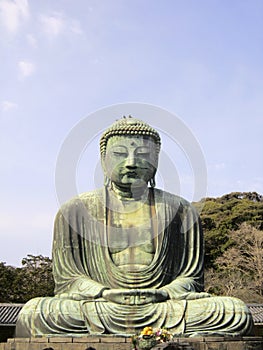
[130, 192]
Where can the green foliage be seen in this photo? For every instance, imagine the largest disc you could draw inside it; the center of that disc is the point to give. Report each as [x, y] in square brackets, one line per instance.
[233, 230]
[7, 275]
[219, 216]
[34, 279]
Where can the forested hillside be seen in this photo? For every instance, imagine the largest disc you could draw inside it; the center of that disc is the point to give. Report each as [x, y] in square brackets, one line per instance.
[233, 230]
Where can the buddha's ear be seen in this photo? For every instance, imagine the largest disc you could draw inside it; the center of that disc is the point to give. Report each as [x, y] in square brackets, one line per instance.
[104, 166]
[154, 172]
[156, 162]
[103, 163]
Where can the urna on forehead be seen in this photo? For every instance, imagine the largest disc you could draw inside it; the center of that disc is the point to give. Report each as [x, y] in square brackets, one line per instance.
[129, 127]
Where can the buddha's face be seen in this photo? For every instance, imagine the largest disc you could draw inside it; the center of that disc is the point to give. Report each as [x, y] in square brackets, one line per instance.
[130, 160]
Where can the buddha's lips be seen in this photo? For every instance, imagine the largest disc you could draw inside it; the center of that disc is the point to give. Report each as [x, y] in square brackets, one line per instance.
[130, 173]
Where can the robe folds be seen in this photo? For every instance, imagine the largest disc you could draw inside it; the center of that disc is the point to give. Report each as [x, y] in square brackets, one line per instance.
[83, 269]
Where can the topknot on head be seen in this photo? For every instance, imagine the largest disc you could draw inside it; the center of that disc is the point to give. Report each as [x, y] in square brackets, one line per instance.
[132, 127]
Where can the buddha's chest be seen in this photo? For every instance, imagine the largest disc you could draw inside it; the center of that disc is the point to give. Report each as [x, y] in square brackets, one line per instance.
[130, 227]
[130, 236]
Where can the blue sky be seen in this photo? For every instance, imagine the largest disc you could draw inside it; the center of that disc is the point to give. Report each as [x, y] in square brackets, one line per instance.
[62, 60]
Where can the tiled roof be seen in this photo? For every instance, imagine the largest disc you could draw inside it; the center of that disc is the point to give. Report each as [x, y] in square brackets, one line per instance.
[257, 312]
[9, 313]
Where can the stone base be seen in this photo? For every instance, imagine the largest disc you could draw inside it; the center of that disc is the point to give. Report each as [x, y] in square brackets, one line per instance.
[123, 343]
[216, 343]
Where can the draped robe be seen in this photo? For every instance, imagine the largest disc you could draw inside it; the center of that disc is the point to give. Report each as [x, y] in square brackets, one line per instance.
[83, 269]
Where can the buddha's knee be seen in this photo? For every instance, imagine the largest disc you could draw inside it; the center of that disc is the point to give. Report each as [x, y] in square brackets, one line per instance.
[29, 308]
[25, 318]
[217, 305]
[232, 303]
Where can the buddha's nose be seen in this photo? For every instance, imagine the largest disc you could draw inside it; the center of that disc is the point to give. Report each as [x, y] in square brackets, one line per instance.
[131, 161]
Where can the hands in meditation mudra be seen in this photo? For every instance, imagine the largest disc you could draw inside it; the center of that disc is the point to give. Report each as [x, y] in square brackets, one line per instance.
[129, 255]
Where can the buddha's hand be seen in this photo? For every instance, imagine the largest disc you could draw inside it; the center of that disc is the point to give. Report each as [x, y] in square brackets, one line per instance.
[135, 296]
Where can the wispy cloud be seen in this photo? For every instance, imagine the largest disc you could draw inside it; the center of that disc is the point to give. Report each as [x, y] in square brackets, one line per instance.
[220, 166]
[217, 166]
[75, 27]
[52, 25]
[13, 13]
[32, 41]
[7, 106]
[26, 68]
[57, 24]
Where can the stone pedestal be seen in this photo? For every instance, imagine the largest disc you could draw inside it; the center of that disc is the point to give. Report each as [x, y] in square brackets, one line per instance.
[123, 343]
[214, 343]
[68, 343]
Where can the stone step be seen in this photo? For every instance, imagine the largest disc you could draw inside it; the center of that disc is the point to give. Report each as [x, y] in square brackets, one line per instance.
[124, 343]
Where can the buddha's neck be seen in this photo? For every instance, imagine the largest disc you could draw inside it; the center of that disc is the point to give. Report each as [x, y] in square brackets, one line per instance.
[129, 193]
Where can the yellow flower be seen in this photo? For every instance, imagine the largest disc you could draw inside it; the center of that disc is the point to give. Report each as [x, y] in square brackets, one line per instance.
[147, 331]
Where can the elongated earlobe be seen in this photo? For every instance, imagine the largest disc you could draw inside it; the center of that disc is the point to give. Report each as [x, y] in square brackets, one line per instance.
[152, 182]
[106, 181]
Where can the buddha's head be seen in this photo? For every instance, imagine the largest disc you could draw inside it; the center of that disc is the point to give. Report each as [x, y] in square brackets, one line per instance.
[129, 153]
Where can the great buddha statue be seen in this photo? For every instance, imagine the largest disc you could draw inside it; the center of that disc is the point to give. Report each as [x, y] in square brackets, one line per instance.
[129, 255]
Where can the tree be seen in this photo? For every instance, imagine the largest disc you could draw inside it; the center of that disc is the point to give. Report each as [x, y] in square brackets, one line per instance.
[34, 279]
[222, 215]
[7, 275]
[239, 271]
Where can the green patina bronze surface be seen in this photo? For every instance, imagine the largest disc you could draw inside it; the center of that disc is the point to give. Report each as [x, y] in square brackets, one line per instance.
[129, 255]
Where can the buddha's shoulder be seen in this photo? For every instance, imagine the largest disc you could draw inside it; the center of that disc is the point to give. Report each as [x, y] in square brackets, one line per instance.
[171, 199]
[86, 199]
[94, 195]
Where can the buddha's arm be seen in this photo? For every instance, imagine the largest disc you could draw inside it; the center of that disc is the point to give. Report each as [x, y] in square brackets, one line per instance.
[71, 279]
[187, 282]
[184, 288]
[72, 283]
[83, 288]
